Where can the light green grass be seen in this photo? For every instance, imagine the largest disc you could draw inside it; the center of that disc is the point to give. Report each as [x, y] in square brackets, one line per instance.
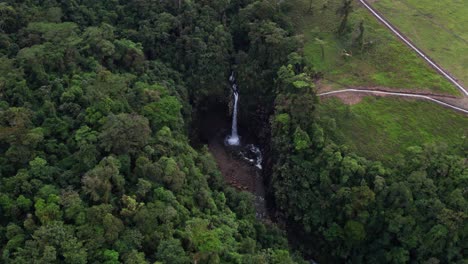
[377, 128]
[438, 27]
[380, 128]
[386, 62]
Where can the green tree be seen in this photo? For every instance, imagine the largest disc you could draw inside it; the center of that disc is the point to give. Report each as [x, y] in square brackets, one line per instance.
[344, 12]
[301, 140]
[322, 44]
[171, 251]
[99, 182]
[125, 133]
[164, 112]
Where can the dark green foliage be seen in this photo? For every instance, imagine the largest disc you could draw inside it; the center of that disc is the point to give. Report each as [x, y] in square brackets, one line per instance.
[344, 12]
[124, 133]
[95, 102]
[96, 99]
[171, 251]
[360, 211]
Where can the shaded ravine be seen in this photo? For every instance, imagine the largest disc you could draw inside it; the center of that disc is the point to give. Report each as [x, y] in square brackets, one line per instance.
[235, 150]
[236, 170]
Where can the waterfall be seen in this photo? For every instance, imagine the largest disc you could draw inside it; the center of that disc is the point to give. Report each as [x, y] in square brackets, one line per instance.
[233, 139]
[249, 152]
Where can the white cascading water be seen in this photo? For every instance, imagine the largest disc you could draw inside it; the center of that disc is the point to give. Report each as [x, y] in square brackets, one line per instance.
[233, 139]
[249, 152]
[253, 155]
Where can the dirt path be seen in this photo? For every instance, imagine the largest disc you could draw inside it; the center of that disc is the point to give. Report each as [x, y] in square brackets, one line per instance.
[406, 40]
[458, 104]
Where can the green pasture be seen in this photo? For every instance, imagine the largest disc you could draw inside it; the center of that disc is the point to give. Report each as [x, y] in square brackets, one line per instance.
[439, 28]
[382, 60]
[380, 128]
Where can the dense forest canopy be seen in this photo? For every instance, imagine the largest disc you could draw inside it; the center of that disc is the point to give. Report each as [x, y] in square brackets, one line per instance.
[96, 102]
[99, 101]
[362, 211]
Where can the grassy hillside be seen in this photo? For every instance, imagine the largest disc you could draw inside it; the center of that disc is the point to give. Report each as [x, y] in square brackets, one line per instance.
[437, 27]
[380, 128]
[377, 128]
[381, 61]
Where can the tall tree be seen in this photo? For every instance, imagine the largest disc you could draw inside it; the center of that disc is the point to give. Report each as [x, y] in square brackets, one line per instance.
[344, 11]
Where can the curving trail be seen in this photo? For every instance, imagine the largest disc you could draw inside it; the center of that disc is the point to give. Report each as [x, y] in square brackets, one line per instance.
[447, 76]
[410, 95]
